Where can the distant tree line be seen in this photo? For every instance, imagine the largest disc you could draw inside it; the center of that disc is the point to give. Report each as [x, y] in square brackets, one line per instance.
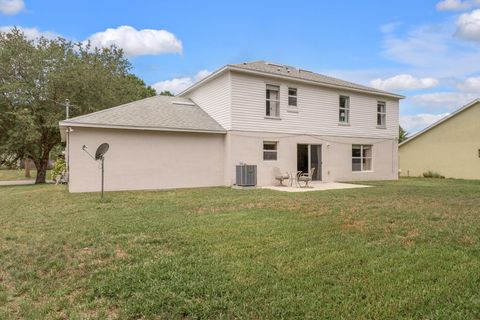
[402, 134]
[166, 93]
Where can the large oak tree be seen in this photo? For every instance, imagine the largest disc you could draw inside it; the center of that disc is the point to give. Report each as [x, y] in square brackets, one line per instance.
[36, 78]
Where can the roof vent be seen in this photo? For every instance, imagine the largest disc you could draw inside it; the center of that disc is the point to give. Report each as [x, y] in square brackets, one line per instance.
[184, 103]
[275, 65]
[303, 70]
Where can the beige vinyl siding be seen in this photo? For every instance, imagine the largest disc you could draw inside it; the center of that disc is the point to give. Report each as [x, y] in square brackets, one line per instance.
[214, 97]
[316, 112]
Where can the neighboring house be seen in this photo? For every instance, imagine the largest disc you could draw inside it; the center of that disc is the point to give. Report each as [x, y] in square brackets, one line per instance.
[450, 147]
[258, 113]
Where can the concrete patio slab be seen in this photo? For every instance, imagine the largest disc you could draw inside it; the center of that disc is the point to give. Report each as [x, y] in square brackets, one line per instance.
[317, 186]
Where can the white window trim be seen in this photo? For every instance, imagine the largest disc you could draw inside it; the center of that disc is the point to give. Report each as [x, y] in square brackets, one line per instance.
[277, 101]
[345, 109]
[270, 151]
[362, 157]
[292, 96]
[384, 114]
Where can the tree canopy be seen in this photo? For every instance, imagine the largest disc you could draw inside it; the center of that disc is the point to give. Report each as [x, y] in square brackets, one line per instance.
[36, 78]
[402, 134]
[166, 93]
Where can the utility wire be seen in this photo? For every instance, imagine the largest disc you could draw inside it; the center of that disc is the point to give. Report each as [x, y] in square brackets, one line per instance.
[311, 136]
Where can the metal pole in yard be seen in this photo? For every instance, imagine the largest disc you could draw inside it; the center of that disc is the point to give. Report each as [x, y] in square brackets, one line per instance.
[103, 162]
[67, 108]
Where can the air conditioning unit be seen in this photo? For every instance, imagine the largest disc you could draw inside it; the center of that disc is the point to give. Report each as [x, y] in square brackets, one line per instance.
[246, 175]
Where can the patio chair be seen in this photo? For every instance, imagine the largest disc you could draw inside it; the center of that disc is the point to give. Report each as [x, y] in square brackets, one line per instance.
[280, 177]
[305, 177]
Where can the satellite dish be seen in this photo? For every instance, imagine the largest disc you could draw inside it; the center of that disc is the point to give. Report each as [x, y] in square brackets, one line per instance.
[101, 150]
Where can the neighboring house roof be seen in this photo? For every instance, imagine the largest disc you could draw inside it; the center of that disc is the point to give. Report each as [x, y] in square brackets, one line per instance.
[155, 113]
[451, 115]
[283, 71]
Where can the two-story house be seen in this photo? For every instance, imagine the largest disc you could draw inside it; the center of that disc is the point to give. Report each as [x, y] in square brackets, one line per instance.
[269, 115]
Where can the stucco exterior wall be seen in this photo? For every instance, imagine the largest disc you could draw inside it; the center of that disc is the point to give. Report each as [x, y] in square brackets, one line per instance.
[139, 160]
[247, 147]
[142, 160]
[450, 149]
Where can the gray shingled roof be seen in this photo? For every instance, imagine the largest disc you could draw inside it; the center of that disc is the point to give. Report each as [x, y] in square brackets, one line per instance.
[156, 113]
[288, 71]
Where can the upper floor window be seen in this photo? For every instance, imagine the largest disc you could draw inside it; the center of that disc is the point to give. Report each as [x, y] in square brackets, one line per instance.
[361, 157]
[344, 109]
[381, 114]
[292, 97]
[272, 101]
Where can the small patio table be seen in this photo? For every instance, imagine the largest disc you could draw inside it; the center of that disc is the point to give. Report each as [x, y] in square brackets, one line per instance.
[293, 176]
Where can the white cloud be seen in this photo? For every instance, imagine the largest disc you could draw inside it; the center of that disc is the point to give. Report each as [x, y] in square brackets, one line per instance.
[11, 7]
[456, 5]
[468, 26]
[404, 82]
[471, 84]
[31, 33]
[177, 85]
[415, 123]
[443, 101]
[419, 47]
[137, 42]
[432, 50]
[390, 27]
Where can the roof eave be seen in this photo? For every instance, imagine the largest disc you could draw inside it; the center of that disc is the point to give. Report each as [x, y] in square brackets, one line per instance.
[204, 80]
[269, 74]
[128, 127]
[323, 84]
[451, 115]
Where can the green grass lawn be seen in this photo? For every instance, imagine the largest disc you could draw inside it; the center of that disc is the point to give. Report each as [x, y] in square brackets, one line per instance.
[407, 249]
[18, 174]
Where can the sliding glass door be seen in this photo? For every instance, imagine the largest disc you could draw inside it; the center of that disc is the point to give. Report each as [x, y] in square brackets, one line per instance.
[310, 156]
[316, 160]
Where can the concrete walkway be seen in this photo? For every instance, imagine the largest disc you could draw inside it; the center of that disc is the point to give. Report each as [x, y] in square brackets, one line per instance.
[317, 186]
[19, 182]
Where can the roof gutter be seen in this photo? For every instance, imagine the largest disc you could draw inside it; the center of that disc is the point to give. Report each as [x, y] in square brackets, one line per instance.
[127, 127]
[319, 83]
[288, 78]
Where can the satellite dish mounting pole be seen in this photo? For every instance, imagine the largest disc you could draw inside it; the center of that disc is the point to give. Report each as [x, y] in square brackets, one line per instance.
[103, 171]
[99, 155]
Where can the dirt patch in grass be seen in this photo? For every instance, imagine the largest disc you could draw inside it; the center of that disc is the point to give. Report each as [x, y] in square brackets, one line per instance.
[357, 225]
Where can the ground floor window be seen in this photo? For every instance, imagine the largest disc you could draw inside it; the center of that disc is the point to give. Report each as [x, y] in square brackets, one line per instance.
[270, 150]
[361, 157]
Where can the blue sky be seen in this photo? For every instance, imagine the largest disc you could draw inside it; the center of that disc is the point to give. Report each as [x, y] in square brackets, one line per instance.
[428, 50]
